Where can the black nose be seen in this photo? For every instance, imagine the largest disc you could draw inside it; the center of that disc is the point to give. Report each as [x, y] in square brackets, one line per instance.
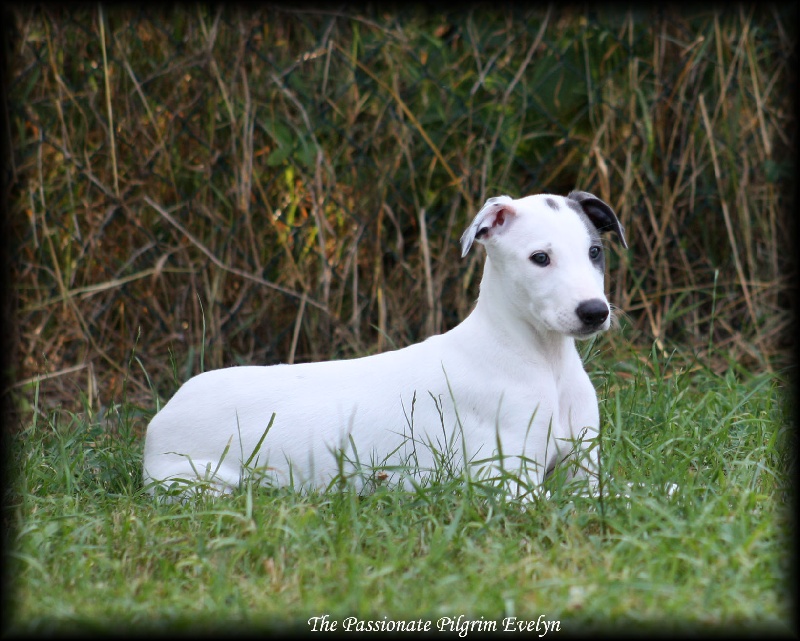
[592, 312]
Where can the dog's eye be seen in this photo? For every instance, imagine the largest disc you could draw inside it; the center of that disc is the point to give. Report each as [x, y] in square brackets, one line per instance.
[595, 251]
[540, 258]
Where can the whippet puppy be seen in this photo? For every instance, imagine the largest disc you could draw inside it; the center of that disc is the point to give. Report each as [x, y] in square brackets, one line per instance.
[505, 390]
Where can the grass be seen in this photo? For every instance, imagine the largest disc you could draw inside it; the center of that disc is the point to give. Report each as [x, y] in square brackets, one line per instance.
[89, 549]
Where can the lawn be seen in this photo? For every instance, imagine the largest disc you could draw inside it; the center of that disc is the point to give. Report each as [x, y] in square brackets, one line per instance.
[88, 549]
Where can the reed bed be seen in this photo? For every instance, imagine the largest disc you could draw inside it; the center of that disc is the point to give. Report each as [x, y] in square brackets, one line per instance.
[196, 187]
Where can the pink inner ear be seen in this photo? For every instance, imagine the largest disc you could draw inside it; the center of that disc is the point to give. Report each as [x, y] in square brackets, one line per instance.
[500, 218]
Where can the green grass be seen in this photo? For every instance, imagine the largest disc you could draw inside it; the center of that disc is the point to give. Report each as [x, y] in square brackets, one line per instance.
[89, 549]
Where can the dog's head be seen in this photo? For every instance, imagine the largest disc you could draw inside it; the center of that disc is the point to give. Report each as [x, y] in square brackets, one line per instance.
[545, 259]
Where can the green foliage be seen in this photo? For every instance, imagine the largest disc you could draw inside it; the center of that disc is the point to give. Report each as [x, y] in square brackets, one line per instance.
[89, 549]
[297, 181]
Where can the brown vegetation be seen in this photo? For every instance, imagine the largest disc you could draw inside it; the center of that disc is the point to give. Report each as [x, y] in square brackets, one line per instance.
[197, 189]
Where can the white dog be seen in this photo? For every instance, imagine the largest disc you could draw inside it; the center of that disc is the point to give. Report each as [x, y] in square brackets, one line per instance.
[503, 391]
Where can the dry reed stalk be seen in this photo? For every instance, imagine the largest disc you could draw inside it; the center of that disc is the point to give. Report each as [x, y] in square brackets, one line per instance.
[106, 73]
[296, 331]
[44, 377]
[430, 317]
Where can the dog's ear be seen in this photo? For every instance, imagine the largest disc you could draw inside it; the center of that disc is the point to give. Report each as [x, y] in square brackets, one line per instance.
[601, 215]
[494, 215]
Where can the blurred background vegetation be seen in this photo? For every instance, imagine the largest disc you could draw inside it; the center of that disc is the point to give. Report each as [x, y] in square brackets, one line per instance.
[196, 187]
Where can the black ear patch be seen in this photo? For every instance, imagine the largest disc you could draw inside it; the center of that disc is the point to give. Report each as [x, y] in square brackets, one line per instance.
[599, 213]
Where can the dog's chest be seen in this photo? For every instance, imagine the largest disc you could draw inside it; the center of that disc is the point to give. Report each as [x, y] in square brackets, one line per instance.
[562, 389]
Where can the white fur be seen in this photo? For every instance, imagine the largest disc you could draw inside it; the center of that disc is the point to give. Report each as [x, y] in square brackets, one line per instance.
[509, 377]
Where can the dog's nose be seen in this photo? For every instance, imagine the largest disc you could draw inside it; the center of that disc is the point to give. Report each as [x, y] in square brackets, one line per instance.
[592, 312]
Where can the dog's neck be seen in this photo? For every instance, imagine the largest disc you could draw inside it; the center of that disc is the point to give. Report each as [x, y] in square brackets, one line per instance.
[522, 338]
[514, 333]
